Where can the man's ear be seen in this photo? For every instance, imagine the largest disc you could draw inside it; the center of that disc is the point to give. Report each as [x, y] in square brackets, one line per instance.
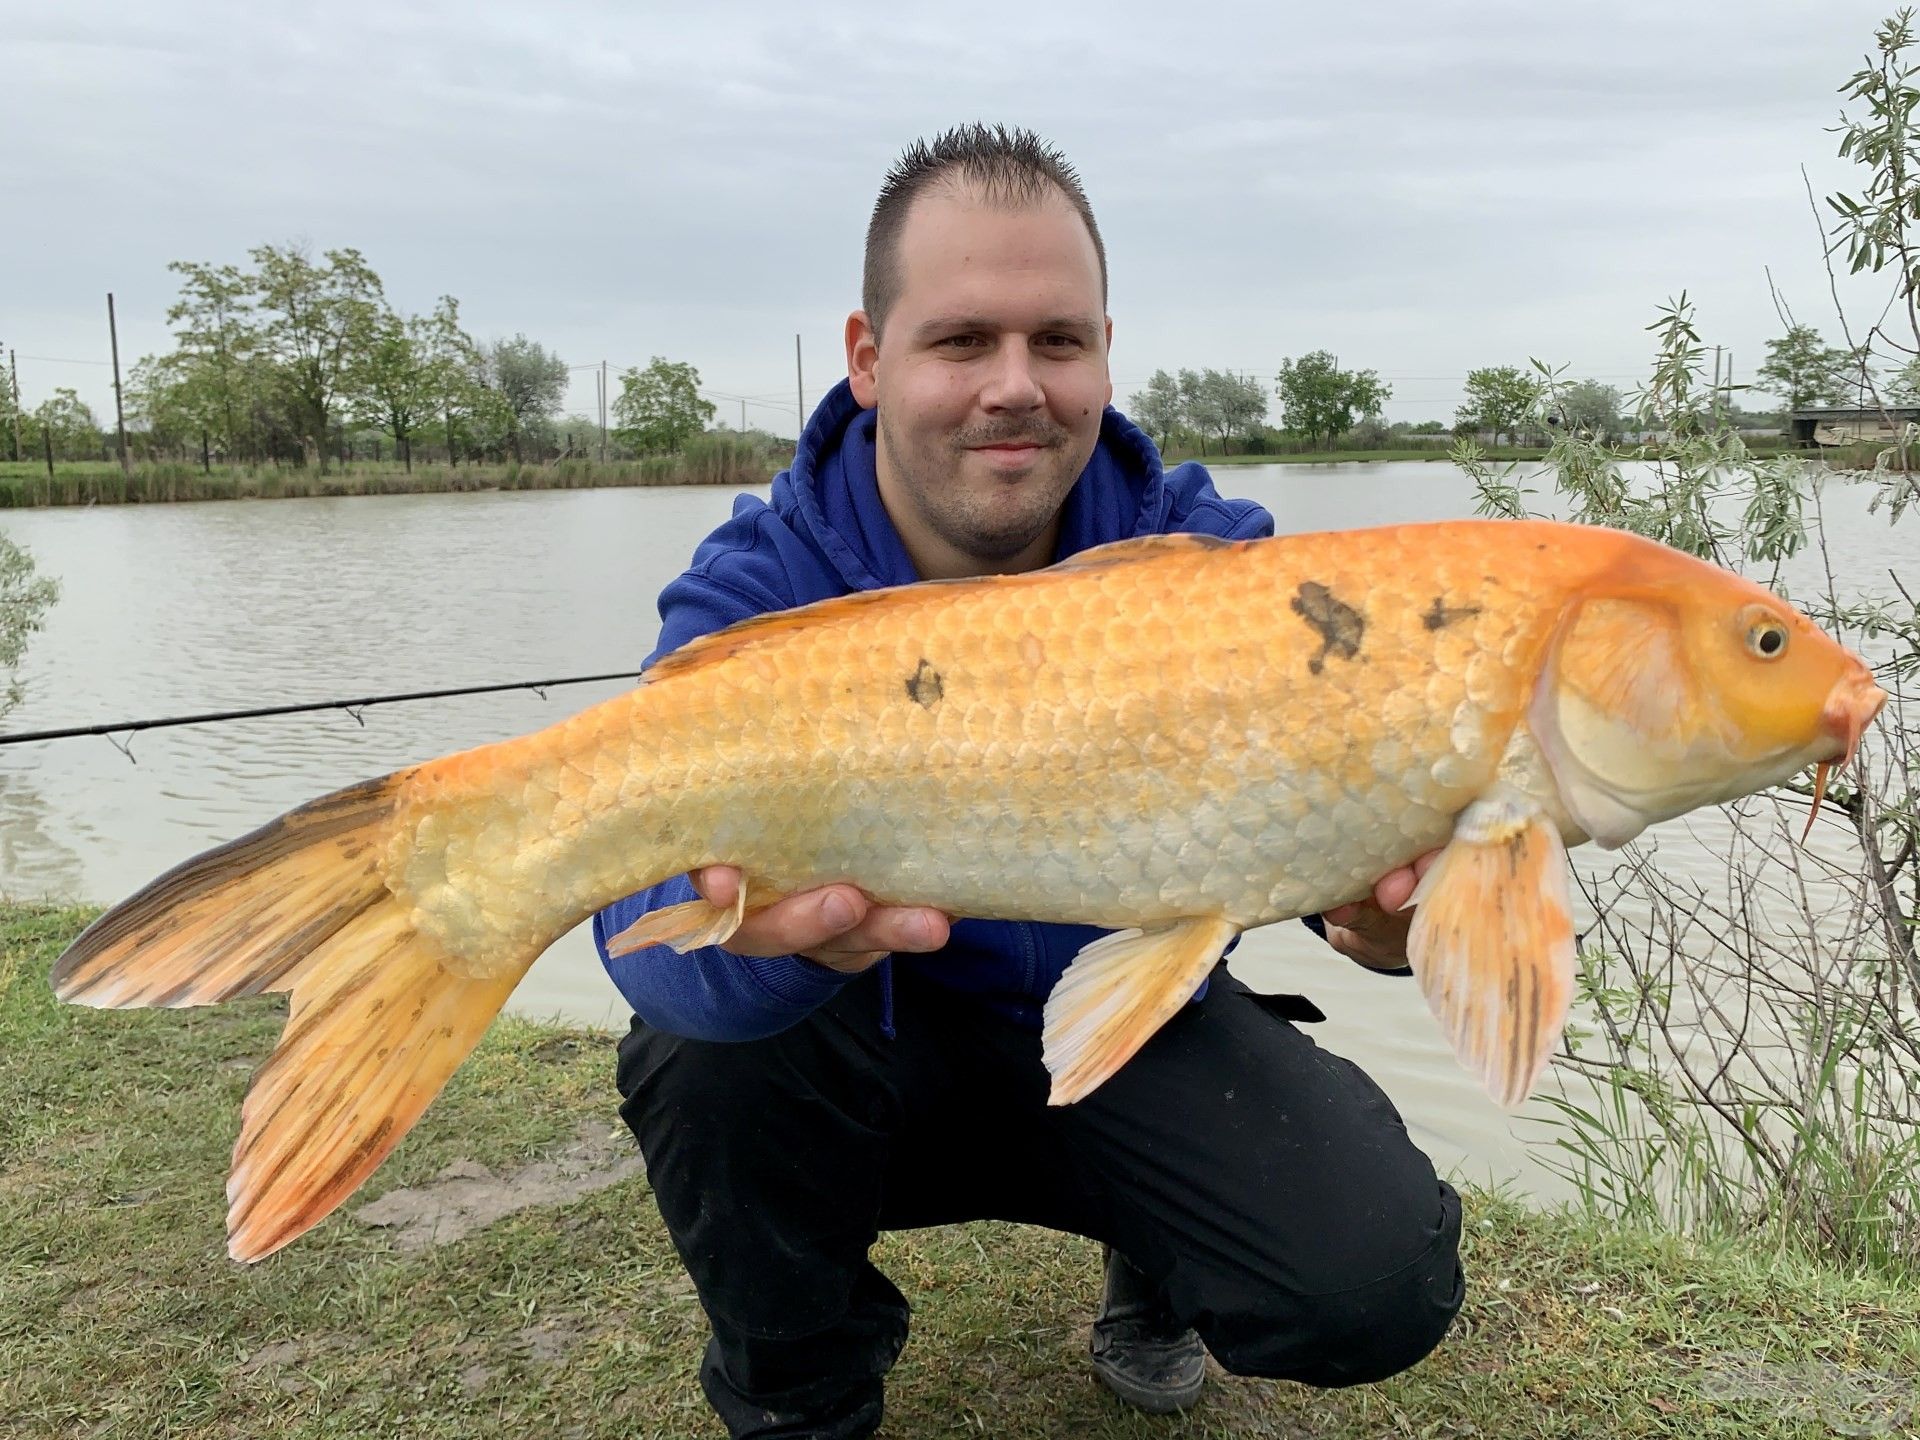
[1109, 360]
[863, 357]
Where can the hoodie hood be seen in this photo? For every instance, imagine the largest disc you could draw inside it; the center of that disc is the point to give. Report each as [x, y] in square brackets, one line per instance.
[832, 493]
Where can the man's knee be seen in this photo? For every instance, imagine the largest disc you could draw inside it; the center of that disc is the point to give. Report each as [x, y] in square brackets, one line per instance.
[1378, 1326]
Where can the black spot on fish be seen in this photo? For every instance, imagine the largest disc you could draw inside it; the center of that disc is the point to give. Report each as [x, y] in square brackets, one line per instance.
[925, 687]
[1338, 624]
[1439, 617]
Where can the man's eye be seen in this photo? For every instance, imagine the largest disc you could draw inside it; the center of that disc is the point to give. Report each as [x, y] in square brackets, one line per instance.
[960, 342]
[1058, 342]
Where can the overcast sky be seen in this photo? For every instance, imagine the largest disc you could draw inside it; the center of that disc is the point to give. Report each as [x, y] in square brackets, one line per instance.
[1421, 188]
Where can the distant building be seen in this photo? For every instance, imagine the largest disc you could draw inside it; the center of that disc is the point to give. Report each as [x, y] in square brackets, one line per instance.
[1842, 426]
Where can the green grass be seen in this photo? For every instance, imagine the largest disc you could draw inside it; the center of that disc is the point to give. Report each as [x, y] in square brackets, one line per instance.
[121, 1316]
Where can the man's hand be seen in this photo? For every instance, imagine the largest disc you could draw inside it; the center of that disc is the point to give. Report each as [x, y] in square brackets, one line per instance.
[1373, 932]
[836, 926]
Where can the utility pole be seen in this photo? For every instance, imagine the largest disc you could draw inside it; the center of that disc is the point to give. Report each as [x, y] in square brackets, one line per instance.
[119, 409]
[1716, 385]
[799, 387]
[13, 365]
[603, 412]
[743, 417]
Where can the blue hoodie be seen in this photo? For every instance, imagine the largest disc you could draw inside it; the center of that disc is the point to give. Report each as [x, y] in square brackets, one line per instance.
[826, 533]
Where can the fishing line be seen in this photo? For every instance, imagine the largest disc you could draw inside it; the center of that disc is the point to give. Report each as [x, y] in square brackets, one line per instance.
[113, 730]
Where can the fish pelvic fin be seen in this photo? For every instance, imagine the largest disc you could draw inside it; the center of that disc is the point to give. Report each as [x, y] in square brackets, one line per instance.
[379, 1016]
[1492, 942]
[684, 927]
[1117, 992]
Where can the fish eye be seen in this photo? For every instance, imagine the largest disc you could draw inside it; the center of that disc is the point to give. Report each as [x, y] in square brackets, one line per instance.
[1767, 639]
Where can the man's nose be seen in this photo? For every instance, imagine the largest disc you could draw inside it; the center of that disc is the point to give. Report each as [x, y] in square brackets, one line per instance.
[1013, 384]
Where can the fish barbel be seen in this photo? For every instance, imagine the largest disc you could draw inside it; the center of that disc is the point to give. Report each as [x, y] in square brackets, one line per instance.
[1177, 737]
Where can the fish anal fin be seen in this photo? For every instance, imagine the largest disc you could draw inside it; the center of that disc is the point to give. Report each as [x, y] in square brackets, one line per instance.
[1117, 992]
[685, 927]
[1492, 942]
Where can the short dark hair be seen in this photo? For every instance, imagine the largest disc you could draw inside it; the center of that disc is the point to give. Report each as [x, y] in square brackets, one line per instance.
[1012, 167]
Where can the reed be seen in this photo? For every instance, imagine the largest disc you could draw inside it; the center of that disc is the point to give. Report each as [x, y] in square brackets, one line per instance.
[707, 460]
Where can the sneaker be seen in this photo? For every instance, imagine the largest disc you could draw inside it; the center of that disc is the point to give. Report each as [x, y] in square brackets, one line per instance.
[1140, 1352]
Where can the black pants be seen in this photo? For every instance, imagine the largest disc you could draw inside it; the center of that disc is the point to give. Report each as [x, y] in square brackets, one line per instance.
[1268, 1183]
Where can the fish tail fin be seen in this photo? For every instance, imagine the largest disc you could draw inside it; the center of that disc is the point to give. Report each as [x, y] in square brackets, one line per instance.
[241, 918]
[379, 1018]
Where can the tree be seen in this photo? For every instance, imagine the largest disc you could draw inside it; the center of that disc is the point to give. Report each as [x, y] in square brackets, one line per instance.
[23, 604]
[215, 338]
[1318, 398]
[1499, 397]
[68, 420]
[319, 320]
[1803, 370]
[659, 408]
[1198, 406]
[160, 405]
[1157, 408]
[530, 382]
[1236, 403]
[1591, 409]
[405, 378]
[8, 429]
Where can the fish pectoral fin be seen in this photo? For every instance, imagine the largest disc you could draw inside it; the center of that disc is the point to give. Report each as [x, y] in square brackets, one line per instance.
[1492, 942]
[684, 927]
[1117, 992]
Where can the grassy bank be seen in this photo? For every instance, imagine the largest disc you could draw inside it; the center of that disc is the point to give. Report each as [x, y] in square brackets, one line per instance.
[100, 483]
[120, 1316]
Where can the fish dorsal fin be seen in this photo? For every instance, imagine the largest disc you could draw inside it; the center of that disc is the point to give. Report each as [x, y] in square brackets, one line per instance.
[1144, 547]
[707, 650]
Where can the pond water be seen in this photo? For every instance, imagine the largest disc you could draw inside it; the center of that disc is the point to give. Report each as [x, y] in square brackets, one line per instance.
[172, 609]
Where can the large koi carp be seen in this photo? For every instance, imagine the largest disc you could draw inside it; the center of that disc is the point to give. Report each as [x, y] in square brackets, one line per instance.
[1177, 737]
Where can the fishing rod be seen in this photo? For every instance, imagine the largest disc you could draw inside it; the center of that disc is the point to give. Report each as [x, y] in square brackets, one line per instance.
[110, 731]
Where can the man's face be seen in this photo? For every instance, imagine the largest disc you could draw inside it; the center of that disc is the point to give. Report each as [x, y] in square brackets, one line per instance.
[989, 376]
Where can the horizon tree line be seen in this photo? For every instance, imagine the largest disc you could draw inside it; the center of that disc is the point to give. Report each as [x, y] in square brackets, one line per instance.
[290, 360]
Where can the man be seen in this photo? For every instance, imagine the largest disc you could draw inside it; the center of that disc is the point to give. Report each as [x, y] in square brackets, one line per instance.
[840, 1068]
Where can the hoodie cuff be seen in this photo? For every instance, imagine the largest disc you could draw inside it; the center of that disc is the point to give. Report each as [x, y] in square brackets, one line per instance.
[1318, 926]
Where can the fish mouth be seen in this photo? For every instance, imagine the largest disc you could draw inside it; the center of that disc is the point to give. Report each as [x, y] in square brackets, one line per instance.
[1851, 707]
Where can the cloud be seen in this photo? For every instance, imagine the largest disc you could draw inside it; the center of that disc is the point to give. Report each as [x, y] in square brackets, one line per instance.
[1420, 188]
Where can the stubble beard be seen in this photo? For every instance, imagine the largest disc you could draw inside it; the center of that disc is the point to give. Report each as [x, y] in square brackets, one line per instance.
[930, 480]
